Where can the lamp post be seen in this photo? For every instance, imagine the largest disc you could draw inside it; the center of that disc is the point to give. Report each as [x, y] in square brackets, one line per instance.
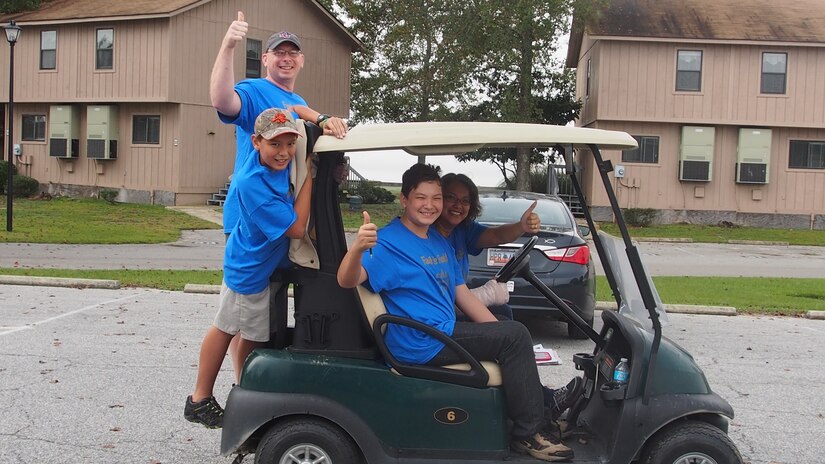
[12, 34]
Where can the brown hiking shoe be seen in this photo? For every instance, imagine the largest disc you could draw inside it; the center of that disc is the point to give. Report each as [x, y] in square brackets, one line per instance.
[558, 429]
[543, 447]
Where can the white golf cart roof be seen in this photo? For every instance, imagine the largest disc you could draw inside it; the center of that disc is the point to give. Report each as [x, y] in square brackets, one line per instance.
[452, 138]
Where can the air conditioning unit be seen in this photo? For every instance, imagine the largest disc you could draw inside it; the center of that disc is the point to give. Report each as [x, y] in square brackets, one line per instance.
[101, 132]
[64, 130]
[753, 156]
[696, 154]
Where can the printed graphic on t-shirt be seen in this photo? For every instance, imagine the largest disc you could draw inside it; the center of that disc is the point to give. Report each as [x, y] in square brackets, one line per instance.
[442, 276]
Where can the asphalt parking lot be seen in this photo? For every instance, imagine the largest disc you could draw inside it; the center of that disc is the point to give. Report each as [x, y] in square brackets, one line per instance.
[100, 376]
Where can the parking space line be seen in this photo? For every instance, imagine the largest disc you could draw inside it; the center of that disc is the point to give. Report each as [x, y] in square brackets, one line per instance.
[61, 316]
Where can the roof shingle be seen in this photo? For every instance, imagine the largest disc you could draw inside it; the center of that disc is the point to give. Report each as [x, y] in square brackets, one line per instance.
[57, 10]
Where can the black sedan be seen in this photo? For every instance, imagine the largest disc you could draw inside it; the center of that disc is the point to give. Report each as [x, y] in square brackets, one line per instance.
[561, 258]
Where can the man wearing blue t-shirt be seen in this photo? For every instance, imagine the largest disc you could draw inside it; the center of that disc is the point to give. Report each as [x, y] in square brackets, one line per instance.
[414, 270]
[240, 104]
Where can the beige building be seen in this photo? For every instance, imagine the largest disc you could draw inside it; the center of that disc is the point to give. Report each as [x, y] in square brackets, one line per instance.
[115, 94]
[726, 99]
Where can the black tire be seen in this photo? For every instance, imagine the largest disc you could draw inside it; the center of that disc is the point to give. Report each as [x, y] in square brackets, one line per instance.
[574, 332]
[691, 443]
[306, 439]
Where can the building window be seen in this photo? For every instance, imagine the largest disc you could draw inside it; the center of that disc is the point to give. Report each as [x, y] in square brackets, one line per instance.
[253, 58]
[807, 155]
[105, 49]
[34, 127]
[688, 70]
[587, 80]
[648, 151]
[774, 72]
[146, 129]
[48, 49]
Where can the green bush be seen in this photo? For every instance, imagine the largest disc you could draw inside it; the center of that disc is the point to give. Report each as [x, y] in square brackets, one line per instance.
[372, 193]
[4, 174]
[108, 194]
[25, 186]
[639, 217]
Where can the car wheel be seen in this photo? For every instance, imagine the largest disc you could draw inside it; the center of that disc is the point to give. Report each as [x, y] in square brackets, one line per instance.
[575, 333]
[692, 443]
[306, 440]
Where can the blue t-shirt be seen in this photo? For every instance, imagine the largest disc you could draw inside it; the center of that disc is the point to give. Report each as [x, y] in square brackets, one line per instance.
[257, 245]
[416, 278]
[464, 240]
[256, 95]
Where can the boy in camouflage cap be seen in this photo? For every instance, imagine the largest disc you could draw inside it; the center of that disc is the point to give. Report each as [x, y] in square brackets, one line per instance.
[257, 246]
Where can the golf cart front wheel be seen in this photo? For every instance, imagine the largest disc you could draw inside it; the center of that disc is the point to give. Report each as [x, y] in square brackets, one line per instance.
[306, 440]
[692, 443]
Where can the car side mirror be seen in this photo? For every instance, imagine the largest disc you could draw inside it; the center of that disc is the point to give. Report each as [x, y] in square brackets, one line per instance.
[584, 231]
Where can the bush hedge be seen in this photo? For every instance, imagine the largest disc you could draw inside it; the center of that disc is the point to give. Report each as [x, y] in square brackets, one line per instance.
[25, 186]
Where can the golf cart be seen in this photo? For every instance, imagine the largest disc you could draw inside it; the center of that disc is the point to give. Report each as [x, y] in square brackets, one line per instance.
[329, 391]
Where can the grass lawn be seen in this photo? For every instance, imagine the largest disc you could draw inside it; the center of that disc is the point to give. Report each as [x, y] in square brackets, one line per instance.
[67, 220]
[160, 279]
[746, 294]
[716, 234]
[380, 215]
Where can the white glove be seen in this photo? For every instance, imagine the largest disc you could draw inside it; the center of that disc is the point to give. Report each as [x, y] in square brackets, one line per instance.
[492, 293]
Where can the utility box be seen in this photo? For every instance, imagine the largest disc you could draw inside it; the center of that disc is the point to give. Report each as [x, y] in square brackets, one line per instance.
[64, 131]
[753, 156]
[101, 131]
[696, 154]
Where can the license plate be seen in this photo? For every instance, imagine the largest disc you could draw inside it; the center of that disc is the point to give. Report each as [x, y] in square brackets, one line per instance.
[499, 256]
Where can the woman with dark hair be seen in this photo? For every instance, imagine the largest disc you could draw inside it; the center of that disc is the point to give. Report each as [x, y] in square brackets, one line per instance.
[458, 225]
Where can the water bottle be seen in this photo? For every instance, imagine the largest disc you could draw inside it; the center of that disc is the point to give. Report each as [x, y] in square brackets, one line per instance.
[621, 372]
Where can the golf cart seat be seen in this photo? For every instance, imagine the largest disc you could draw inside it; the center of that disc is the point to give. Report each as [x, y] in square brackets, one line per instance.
[473, 373]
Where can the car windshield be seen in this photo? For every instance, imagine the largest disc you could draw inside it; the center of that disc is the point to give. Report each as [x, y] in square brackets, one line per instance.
[498, 211]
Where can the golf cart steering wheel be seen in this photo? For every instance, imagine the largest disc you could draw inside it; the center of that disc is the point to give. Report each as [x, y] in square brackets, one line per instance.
[517, 262]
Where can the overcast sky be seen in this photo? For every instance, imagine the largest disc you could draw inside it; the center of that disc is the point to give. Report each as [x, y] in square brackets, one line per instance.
[387, 166]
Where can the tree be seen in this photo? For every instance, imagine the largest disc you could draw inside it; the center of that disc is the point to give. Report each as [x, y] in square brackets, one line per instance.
[523, 83]
[487, 60]
[16, 6]
[558, 106]
[415, 62]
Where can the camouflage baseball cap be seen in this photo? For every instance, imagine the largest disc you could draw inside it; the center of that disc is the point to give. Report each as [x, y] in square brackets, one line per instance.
[274, 122]
[280, 37]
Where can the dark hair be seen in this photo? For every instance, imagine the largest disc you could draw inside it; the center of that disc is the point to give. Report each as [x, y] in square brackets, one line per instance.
[417, 174]
[475, 203]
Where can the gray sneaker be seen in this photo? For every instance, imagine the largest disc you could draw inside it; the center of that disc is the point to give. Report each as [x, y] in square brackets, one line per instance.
[206, 412]
[565, 397]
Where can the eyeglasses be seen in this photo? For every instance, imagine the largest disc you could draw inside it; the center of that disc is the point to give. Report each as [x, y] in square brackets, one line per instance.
[450, 198]
[283, 53]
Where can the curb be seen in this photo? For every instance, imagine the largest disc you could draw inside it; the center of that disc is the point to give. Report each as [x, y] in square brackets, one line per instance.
[213, 289]
[59, 282]
[819, 315]
[201, 288]
[662, 239]
[757, 242]
[682, 309]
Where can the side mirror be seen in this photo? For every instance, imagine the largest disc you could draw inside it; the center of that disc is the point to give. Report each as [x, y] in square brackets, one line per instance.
[584, 231]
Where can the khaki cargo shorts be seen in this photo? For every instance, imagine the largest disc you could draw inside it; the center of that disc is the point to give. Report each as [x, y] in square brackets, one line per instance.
[245, 314]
